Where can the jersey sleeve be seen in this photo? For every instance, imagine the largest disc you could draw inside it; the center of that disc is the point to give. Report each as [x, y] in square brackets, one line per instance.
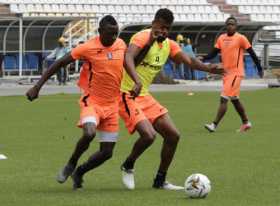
[140, 39]
[174, 48]
[218, 43]
[245, 44]
[80, 51]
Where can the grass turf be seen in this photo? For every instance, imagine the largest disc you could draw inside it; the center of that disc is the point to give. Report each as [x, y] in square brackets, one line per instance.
[38, 138]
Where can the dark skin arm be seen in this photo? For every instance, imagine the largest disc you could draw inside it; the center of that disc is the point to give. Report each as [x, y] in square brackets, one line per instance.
[130, 69]
[131, 56]
[212, 54]
[196, 64]
[33, 92]
[256, 61]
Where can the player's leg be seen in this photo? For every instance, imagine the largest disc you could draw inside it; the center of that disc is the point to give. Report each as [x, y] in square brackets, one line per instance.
[104, 153]
[89, 131]
[166, 128]
[108, 132]
[88, 121]
[135, 119]
[239, 106]
[246, 125]
[147, 135]
[228, 82]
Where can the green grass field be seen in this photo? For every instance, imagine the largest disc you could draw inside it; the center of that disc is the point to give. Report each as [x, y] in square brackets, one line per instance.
[38, 138]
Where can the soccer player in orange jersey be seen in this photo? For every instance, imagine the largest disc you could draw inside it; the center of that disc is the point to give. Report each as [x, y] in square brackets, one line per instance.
[100, 81]
[232, 45]
[144, 114]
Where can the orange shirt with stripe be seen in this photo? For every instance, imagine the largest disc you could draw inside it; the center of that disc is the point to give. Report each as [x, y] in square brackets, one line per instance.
[232, 52]
[102, 71]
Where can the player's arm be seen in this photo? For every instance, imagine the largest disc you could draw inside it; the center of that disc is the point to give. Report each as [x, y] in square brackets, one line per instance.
[256, 61]
[196, 64]
[130, 56]
[33, 92]
[214, 52]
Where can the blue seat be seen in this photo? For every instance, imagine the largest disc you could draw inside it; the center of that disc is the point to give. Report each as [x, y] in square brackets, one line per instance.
[168, 69]
[250, 68]
[32, 61]
[10, 63]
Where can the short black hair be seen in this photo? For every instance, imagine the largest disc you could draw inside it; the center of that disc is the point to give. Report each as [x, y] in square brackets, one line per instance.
[164, 14]
[108, 19]
[231, 18]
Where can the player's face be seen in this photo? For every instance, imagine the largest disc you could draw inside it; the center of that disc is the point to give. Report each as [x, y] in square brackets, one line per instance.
[231, 26]
[108, 34]
[160, 29]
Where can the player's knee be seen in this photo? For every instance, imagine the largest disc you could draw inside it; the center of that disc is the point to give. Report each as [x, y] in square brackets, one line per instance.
[89, 131]
[89, 134]
[149, 137]
[173, 138]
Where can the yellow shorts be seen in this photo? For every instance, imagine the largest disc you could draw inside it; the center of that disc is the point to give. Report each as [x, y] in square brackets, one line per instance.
[231, 86]
[105, 117]
[135, 110]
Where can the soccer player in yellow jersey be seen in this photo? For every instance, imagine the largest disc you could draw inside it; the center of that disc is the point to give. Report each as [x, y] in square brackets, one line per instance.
[143, 113]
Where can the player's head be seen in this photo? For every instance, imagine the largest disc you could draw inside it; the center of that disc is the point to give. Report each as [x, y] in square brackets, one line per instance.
[231, 24]
[162, 23]
[108, 30]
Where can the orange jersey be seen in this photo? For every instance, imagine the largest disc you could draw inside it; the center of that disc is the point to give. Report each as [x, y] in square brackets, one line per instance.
[232, 52]
[103, 68]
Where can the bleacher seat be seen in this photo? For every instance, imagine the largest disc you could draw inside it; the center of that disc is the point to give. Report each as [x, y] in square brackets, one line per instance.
[10, 63]
[115, 7]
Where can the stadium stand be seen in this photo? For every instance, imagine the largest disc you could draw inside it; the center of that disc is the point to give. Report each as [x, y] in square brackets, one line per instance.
[43, 21]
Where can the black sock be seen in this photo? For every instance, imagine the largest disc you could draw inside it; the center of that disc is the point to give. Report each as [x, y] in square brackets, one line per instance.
[215, 123]
[160, 176]
[128, 164]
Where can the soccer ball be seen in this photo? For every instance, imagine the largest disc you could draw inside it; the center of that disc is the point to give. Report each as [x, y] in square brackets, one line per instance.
[197, 186]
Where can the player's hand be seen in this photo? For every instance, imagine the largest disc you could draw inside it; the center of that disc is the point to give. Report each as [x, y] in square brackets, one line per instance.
[32, 93]
[136, 89]
[216, 69]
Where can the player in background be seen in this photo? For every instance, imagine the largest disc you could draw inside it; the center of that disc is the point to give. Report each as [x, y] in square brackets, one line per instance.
[232, 45]
[143, 113]
[100, 82]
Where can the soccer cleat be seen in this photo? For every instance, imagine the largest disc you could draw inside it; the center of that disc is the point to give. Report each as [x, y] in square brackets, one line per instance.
[77, 181]
[210, 127]
[128, 178]
[166, 186]
[64, 173]
[245, 127]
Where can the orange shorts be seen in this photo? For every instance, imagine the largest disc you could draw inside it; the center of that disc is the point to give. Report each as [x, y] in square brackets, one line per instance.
[231, 86]
[105, 117]
[135, 110]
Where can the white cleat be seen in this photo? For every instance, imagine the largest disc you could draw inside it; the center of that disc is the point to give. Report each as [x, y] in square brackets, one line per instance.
[210, 127]
[128, 178]
[169, 186]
